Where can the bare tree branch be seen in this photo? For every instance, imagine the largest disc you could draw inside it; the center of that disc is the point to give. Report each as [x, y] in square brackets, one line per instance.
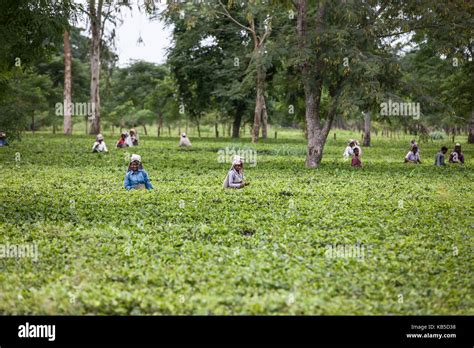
[227, 14]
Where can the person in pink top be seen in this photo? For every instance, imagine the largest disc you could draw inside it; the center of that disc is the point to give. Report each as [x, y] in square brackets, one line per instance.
[356, 162]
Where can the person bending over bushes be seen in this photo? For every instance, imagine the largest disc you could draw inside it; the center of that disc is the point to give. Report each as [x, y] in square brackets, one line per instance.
[235, 177]
[136, 177]
[355, 158]
[456, 156]
[413, 156]
[184, 141]
[99, 145]
[3, 139]
[133, 140]
[122, 142]
[349, 150]
[439, 159]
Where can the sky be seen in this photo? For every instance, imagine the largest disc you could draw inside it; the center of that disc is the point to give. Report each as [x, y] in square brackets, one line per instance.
[156, 38]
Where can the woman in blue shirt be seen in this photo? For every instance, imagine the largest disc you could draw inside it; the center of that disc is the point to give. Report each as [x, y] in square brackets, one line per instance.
[136, 177]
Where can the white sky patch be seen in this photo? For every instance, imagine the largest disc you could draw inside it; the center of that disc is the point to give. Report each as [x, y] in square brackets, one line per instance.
[136, 36]
[208, 41]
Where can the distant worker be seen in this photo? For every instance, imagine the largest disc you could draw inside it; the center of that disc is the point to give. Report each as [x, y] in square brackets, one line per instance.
[133, 137]
[356, 162]
[349, 151]
[439, 158]
[184, 141]
[3, 139]
[99, 145]
[456, 156]
[122, 142]
[413, 156]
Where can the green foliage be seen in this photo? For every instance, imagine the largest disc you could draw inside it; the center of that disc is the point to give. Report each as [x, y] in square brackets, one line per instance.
[437, 135]
[189, 247]
[29, 32]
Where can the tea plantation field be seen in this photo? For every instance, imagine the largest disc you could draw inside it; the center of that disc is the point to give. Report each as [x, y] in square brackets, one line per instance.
[189, 247]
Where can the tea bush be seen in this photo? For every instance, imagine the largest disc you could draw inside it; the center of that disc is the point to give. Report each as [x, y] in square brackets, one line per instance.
[189, 247]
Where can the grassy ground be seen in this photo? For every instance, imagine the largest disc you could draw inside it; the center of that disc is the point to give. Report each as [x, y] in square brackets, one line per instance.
[189, 247]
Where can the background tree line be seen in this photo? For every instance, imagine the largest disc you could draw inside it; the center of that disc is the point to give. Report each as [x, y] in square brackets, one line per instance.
[237, 65]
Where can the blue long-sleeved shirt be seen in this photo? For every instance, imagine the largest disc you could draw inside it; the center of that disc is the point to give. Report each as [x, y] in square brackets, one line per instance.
[133, 179]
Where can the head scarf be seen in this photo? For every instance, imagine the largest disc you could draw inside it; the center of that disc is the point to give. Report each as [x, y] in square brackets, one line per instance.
[133, 159]
[236, 160]
[99, 137]
[183, 135]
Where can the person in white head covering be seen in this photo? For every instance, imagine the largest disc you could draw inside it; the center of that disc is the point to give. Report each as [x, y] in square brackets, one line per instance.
[456, 156]
[128, 140]
[99, 145]
[414, 144]
[235, 176]
[136, 177]
[184, 140]
[357, 145]
[133, 138]
[3, 139]
[349, 151]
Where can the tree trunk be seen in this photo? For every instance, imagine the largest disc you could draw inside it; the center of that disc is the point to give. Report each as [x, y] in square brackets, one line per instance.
[367, 117]
[33, 122]
[160, 122]
[311, 155]
[216, 128]
[144, 129]
[198, 128]
[67, 84]
[169, 130]
[260, 88]
[95, 18]
[87, 123]
[312, 83]
[470, 137]
[237, 122]
[264, 118]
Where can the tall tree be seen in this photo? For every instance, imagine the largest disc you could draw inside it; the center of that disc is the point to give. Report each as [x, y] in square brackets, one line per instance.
[259, 32]
[340, 49]
[95, 13]
[99, 13]
[67, 84]
[29, 32]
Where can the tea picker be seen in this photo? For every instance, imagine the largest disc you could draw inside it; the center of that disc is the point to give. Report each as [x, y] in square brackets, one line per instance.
[235, 176]
[184, 141]
[136, 177]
